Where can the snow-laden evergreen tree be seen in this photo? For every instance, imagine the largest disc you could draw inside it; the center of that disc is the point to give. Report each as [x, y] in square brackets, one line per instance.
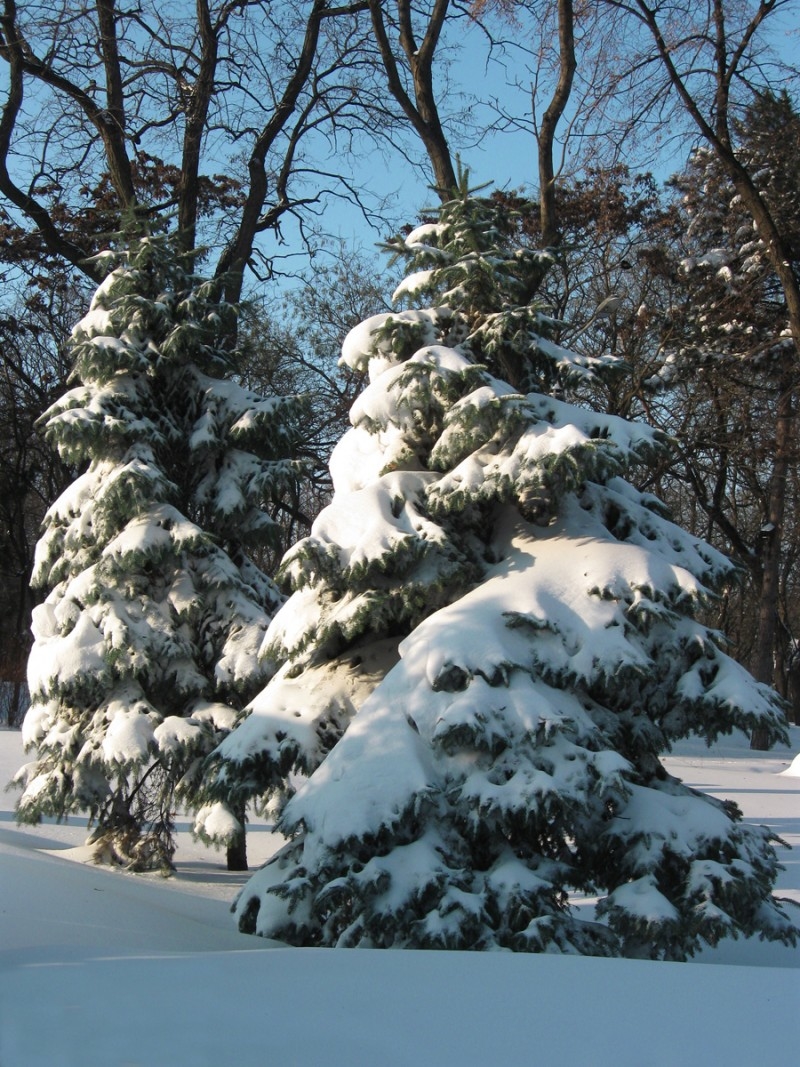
[146, 645]
[737, 309]
[492, 639]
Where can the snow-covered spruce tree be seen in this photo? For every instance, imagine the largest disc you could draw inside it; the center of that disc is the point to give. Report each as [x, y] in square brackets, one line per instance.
[146, 646]
[508, 626]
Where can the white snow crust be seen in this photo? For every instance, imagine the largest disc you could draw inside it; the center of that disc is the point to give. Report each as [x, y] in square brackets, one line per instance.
[102, 969]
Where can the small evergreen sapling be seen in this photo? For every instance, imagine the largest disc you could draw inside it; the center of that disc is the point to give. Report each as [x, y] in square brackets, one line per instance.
[146, 646]
[492, 638]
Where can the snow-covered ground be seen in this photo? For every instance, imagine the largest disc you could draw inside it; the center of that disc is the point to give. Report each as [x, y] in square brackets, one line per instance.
[106, 969]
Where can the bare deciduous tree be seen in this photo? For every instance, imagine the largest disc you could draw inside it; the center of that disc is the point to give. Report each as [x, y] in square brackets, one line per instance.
[159, 101]
[712, 60]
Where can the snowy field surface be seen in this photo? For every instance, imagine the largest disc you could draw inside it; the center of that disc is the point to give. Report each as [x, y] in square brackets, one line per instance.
[107, 969]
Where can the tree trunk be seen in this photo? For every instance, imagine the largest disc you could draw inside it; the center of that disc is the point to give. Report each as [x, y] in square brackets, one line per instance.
[237, 850]
[550, 119]
[422, 112]
[793, 689]
[234, 258]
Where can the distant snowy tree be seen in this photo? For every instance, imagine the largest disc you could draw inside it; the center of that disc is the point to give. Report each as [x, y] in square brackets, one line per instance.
[491, 640]
[741, 311]
[145, 648]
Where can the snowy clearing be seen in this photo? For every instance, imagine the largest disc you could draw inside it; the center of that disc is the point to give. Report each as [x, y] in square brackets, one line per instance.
[106, 969]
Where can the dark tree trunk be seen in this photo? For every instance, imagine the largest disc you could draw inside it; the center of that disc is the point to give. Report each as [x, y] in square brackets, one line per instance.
[422, 112]
[237, 849]
[550, 120]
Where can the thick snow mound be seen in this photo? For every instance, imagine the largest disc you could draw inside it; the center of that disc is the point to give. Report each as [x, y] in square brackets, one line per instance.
[80, 945]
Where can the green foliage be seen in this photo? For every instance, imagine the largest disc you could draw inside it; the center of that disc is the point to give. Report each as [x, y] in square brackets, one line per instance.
[472, 264]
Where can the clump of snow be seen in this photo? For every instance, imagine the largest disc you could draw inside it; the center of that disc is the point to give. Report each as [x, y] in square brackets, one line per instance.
[215, 822]
[420, 235]
[57, 659]
[412, 284]
[369, 346]
[129, 736]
